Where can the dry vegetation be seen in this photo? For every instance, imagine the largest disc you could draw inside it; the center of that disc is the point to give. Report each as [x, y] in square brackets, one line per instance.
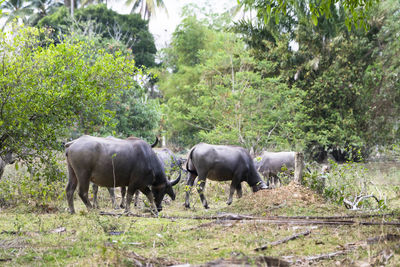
[43, 233]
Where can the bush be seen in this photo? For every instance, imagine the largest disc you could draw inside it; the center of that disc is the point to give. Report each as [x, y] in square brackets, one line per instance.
[22, 185]
[345, 183]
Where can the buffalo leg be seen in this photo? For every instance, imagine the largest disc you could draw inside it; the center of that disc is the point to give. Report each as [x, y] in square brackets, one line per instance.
[95, 188]
[70, 189]
[136, 201]
[234, 186]
[189, 185]
[111, 191]
[150, 197]
[200, 190]
[239, 191]
[132, 189]
[274, 180]
[83, 191]
[123, 193]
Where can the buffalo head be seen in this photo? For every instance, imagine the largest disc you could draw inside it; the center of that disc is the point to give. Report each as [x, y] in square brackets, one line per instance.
[259, 186]
[160, 190]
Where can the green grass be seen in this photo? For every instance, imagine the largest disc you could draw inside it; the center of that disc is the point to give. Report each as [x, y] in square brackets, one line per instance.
[27, 227]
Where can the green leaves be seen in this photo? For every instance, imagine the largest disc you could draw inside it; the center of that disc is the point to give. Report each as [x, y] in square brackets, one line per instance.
[45, 90]
[225, 98]
[115, 31]
[356, 11]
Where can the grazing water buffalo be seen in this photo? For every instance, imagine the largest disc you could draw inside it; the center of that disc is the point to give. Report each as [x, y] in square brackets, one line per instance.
[111, 190]
[113, 162]
[221, 163]
[170, 163]
[269, 164]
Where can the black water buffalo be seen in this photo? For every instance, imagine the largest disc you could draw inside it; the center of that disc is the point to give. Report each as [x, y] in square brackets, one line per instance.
[270, 164]
[221, 163]
[170, 163]
[111, 190]
[112, 162]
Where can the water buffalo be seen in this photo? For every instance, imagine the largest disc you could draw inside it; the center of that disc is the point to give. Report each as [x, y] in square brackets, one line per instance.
[112, 162]
[221, 163]
[269, 164]
[170, 163]
[111, 190]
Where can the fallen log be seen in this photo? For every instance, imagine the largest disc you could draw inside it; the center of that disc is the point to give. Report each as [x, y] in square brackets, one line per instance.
[292, 237]
[327, 255]
[361, 216]
[321, 222]
[251, 219]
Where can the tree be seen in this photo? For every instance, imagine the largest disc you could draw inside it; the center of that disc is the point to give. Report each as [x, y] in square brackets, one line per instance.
[356, 11]
[340, 71]
[45, 89]
[41, 9]
[130, 29]
[218, 93]
[147, 8]
[15, 9]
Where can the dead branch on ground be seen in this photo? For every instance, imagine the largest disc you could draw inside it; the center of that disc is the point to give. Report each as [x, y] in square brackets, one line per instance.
[349, 247]
[292, 237]
[354, 205]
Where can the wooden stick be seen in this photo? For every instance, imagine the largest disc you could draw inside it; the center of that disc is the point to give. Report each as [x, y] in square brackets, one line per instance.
[336, 217]
[327, 255]
[292, 237]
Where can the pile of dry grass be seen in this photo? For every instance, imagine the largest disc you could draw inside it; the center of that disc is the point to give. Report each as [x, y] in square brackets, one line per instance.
[291, 195]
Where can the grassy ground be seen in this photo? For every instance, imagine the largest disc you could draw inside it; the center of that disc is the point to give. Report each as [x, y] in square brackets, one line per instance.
[37, 233]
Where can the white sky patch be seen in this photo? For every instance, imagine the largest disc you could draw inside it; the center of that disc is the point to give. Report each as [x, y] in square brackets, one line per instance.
[162, 25]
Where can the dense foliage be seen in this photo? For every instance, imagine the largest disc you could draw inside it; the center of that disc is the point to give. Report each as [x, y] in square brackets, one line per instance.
[337, 93]
[304, 81]
[130, 30]
[357, 10]
[218, 92]
[46, 89]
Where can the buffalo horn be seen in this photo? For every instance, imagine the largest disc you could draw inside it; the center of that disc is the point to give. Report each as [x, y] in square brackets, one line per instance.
[155, 143]
[174, 182]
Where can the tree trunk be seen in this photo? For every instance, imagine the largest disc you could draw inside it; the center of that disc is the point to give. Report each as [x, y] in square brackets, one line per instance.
[298, 167]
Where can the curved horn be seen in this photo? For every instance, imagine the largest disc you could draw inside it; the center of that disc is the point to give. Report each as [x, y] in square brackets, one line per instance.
[174, 182]
[155, 143]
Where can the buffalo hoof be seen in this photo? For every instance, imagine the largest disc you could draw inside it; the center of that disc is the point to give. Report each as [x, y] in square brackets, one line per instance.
[228, 203]
[155, 213]
[187, 206]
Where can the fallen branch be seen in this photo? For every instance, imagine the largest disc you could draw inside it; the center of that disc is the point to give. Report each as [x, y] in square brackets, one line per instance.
[319, 222]
[327, 255]
[234, 216]
[361, 216]
[349, 247]
[270, 220]
[292, 237]
[353, 205]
